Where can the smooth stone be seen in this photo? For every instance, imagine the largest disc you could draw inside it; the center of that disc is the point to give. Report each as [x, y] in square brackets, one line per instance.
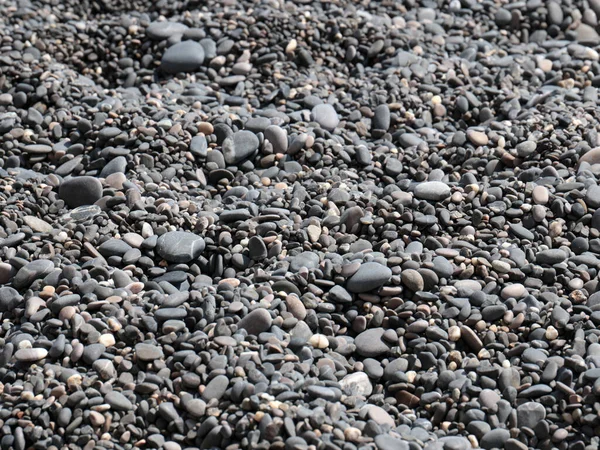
[80, 191]
[310, 260]
[30, 354]
[379, 415]
[199, 146]
[540, 195]
[357, 383]
[550, 257]
[278, 138]
[114, 247]
[592, 196]
[368, 277]
[381, 118]
[216, 388]
[256, 322]
[413, 280]
[180, 246]
[340, 295]
[530, 414]
[295, 306]
[515, 290]
[257, 250]
[326, 116]
[160, 31]
[592, 157]
[388, 442]
[37, 224]
[494, 439]
[115, 165]
[186, 56]
[118, 401]
[240, 146]
[196, 407]
[370, 343]
[432, 190]
[587, 35]
[148, 352]
[526, 149]
[37, 149]
[31, 272]
[478, 138]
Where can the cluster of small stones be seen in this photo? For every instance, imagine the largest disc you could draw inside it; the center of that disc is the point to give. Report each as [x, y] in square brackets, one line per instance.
[299, 225]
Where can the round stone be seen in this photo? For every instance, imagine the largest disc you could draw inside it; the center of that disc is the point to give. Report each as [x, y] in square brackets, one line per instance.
[180, 246]
[186, 56]
[240, 146]
[369, 276]
[256, 321]
[432, 190]
[370, 343]
[80, 191]
[326, 116]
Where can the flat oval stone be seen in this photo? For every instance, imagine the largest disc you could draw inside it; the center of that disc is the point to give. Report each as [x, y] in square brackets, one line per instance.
[37, 149]
[258, 321]
[326, 116]
[357, 383]
[148, 352]
[179, 246]
[432, 190]
[80, 191]
[369, 276]
[31, 272]
[37, 224]
[186, 56]
[118, 401]
[530, 414]
[239, 147]
[160, 31]
[551, 257]
[370, 343]
[196, 407]
[215, 388]
[30, 354]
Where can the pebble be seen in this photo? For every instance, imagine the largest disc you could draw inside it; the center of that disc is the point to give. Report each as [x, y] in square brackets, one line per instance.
[80, 191]
[256, 322]
[118, 401]
[368, 277]
[326, 116]
[180, 246]
[530, 414]
[186, 56]
[370, 343]
[240, 146]
[30, 354]
[291, 225]
[432, 190]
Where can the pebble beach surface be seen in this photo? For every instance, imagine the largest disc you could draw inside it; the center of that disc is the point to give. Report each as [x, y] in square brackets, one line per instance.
[299, 225]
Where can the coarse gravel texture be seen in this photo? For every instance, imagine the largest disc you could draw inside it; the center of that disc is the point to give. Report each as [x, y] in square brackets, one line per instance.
[298, 225]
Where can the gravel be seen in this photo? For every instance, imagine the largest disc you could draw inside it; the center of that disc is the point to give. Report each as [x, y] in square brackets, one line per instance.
[299, 225]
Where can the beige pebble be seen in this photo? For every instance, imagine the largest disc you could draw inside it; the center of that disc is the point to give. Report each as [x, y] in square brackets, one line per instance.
[454, 333]
[231, 281]
[319, 341]
[47, 292]
[551, 333]
[352, 434]
[97, 419]
[292, 45]
[205, 127]
[108, 340]
[477, 137]
[540, 195]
